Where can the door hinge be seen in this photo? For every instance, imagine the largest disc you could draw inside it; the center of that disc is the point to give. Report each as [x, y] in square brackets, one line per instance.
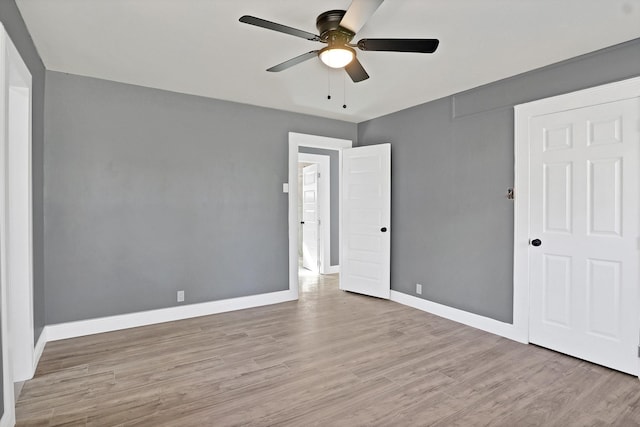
[639, 351]
[318, 175]
[318, 222]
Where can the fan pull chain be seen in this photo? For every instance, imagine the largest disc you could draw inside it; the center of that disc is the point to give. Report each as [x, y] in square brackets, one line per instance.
[329, 83]
[344, 92]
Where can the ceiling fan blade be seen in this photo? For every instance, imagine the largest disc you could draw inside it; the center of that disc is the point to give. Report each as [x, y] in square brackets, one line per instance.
[278, 27]
[399, 45]
[356, 71]
[359, 13]
[293, 61]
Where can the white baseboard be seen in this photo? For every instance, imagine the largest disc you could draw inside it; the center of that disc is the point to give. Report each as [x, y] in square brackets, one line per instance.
[8, 419]
[333, 269]
[487, 324]
[39, 348]
[80, 328]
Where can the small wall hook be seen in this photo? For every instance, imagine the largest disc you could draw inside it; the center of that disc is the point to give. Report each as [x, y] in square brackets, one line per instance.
[510, 194]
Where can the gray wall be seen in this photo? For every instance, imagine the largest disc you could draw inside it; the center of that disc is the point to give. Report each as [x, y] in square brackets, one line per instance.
[334, 172]
[149, 192]
[15, 27]
[452, 162]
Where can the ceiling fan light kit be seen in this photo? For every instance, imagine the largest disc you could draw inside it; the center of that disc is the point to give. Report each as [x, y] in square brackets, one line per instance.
[336, 57]
[337, 28]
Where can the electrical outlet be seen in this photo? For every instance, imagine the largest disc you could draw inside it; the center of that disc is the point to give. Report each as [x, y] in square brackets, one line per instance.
[418, 289]
[180, 296]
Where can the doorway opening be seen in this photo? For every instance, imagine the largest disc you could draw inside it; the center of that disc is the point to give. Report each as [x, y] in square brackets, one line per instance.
[318, 184]
[364, 213]
[316, 201]
[315, 150]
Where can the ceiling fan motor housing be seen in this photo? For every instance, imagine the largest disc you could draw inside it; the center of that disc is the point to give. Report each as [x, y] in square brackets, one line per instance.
[328, 24]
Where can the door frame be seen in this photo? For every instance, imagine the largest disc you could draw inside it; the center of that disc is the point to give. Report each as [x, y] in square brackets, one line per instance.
[16, 213]
[621, 90]
[305, 140]
[324, 210]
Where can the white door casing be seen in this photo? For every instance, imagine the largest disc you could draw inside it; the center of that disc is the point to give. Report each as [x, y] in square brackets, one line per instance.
[16, 242]
[310, 226]
[577, 192]
[366, 220]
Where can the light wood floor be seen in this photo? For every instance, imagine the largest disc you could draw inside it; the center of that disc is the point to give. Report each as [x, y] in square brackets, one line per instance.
[330, 359]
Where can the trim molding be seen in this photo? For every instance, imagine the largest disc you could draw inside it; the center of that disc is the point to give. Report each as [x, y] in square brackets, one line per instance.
[39, 348]
[99, 325]
[333, 269]
[487, 324]
[8, 419]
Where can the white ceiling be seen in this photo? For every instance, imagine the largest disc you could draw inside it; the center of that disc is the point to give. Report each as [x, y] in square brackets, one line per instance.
[199, 47]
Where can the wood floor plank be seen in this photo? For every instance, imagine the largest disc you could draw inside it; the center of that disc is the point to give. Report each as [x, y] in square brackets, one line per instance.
[390, 405]
[330, 359]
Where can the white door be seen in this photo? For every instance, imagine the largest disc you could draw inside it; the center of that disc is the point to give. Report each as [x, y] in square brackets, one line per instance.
[310, 224]
[366, 220]
[583, 255]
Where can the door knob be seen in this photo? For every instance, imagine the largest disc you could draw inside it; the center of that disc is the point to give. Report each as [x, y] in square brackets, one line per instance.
[301, 222]
[536, 242]
[383, 229]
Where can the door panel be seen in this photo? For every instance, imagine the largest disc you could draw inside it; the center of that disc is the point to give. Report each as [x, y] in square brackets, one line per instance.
[603, 298]
[557, 290]
[557, 197]
[366, 212]
[584, 209]
[605, 197]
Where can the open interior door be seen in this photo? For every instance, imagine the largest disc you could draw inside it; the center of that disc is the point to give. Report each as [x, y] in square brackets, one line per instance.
[366, 220]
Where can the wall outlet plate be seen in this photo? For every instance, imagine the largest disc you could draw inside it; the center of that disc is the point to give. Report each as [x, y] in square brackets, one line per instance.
[418, 289]
[180, 296]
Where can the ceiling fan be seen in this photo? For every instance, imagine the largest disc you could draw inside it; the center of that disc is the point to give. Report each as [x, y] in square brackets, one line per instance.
[337, 28]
